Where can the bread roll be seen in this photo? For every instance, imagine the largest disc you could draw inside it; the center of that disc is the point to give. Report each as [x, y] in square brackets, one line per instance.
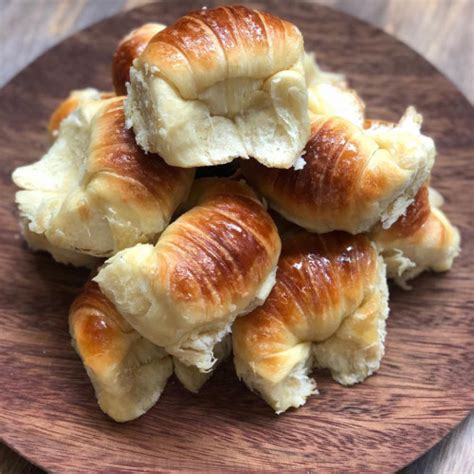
[219, 84]
[71, 103]
[128, 49]
[128, 372]
[327, 309]
[349, 179]
[328, 94]
[422, 239]
[214, 263]
[95, 192]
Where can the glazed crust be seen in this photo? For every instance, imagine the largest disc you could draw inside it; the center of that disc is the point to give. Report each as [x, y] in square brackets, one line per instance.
[321, 280]
[114, 155]
[227, 232]
[208, 46]
[128, 372]
[128, 49]
[348, 181]
[215, 262]
[96, 192]
[102, 336]
[221, 84]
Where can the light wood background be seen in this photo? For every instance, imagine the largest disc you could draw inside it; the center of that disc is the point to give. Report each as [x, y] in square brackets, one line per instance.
[440, 30]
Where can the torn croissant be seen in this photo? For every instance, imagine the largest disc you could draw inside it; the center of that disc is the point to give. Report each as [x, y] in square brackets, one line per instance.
[128, 372]
[245, 97]
[423, 239]
[350, 179]
[327, 309]
[96, 192]
[214, 263]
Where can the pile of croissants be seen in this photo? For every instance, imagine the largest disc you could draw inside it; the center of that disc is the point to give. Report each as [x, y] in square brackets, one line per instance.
[243, 203]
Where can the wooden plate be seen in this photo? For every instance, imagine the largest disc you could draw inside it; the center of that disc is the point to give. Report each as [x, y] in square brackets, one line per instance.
[425, 386]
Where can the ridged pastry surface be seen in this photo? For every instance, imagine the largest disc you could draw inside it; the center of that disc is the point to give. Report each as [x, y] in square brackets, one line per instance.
[96, 192]
[211, 45]
[318, 280]
[349, 180]
[215, 262]
[219, 84]
[226, 233]
[329, 289]
[128, 49]
[128, 372]
[113, 152]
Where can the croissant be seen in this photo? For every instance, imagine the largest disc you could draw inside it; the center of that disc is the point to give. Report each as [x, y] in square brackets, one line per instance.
[95, 192]
[128, 49]
[215, 262]
[72, 102]
[328, 94]
[327, 309]
[128, 372]
[349, 179]
[422, 239]
[219, 84]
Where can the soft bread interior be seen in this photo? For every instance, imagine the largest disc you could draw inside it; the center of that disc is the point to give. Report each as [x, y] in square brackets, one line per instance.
[75, 99]
[314, 74]
[38, 242]
[95, 192]
[51, 191]
[289, 390]
[191, 377]
[412, 152]
[328, 93]
[196, 348]
[238, 117]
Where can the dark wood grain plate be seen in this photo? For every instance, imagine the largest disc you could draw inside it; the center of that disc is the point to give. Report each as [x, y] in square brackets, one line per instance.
[425, 386]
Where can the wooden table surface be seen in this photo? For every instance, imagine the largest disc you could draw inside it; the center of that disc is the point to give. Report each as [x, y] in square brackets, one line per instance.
[441, 30]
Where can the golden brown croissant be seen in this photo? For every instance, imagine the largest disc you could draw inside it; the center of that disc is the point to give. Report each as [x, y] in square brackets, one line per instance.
[219, 84]
[422, 239]
[349, 179]
[128, 372]
[128, 49]
[72, 102]
[215, 262]
[96, 192]
[327, 309]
